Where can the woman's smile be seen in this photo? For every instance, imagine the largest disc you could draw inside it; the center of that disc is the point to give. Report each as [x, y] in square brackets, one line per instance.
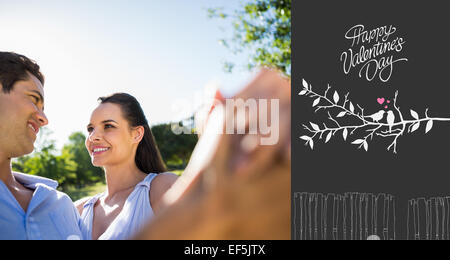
[97, 150]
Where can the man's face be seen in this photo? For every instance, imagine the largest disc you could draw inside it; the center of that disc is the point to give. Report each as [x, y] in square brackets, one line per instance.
[21, 116]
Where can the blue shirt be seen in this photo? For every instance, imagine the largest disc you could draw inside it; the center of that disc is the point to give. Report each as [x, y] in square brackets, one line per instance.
[136, 212]
[50, 215]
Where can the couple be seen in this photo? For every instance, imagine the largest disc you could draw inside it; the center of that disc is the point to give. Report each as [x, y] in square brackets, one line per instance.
[119, 140]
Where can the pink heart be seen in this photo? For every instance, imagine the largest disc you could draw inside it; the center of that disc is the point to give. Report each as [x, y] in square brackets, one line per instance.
[388, 101]
[380, 100]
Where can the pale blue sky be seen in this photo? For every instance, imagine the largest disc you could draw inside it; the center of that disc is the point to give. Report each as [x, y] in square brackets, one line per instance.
[163, 52]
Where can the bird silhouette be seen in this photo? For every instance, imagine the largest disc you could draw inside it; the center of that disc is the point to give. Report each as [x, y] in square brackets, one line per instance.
[377, 116]
[390, 119]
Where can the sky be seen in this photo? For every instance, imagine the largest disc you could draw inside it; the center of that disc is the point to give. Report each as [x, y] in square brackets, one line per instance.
[163, 52]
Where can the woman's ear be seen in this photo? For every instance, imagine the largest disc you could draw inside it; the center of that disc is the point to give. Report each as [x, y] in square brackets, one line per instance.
[138, 133]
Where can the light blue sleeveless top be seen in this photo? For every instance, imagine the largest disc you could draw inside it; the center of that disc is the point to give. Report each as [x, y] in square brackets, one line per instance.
[135, 213]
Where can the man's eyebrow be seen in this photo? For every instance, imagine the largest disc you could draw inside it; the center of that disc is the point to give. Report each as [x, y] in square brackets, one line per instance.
[40, 95]
[41, 98]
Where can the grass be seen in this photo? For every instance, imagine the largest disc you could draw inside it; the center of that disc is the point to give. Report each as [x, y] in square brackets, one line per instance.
[89, 190]
[177, 172]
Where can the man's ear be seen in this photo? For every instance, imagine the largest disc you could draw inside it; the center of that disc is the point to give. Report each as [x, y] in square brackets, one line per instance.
[138, 133]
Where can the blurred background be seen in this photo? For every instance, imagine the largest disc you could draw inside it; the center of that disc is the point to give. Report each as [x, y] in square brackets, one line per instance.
[165, 53]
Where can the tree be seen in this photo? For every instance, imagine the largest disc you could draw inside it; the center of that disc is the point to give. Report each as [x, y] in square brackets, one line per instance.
[43, 162]
[175, 149]
[72, 167]
[262, 27]
[76, 150]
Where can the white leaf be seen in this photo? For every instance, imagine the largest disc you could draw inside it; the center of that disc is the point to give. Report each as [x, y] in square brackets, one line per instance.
[344, 133]
[429, 126]
[328, 137]
[358, 141]
[341, 114]
[305, 84]
[415, 127]
[366, 146]
[314, 126]
[311, 144]
[352, 108]
[414, 114]
[336, 97]
[303, 92]
[305, 137]
[316, 102]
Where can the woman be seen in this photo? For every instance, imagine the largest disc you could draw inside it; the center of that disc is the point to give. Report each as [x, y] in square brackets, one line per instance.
[120, 141]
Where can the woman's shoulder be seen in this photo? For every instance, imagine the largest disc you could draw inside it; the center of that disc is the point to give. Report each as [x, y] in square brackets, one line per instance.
[166, 176]
[163, 181]
[160, 184]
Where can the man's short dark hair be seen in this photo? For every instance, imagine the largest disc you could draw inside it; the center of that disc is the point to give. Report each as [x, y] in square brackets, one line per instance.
[14, 67]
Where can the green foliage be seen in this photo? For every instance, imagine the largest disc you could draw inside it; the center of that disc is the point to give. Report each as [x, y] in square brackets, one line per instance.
[85, 191]
[175, 149]
[45, 163]
[76, 151]
[263, 28]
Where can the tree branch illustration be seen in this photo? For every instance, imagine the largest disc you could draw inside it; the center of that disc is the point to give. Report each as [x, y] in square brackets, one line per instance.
[393, 125]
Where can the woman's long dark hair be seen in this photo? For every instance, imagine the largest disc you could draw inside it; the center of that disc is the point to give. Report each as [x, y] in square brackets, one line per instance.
[148, 158]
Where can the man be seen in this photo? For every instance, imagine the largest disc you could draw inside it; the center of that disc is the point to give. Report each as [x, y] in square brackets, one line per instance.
[30, 207]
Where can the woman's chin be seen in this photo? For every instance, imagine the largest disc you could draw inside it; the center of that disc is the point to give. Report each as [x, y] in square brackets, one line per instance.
[97, 163]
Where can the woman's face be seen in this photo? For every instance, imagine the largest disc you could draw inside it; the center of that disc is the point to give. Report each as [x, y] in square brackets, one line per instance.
[110, 140]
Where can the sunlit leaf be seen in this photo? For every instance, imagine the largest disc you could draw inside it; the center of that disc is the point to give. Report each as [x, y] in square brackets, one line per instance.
[345, 133]
[305, 137]
[303, 92]
[328, 137]
[314, 126]
[415, 127]
[305, 84]
[414, 114]
[352, 108]
[336, 97]
[429, 126]
[366, 146]
[358, 141]
[316, 102]
[341, 114]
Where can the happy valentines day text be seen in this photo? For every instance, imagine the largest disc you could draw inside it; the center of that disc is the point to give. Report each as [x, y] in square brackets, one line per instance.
[376, 51]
